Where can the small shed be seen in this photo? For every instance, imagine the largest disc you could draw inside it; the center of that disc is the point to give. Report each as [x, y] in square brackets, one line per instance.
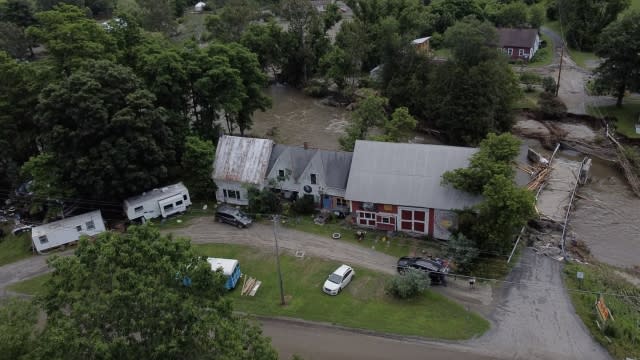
[422, 44]
[66, 231]
[200, 6]
[240, 162]
[163, 202]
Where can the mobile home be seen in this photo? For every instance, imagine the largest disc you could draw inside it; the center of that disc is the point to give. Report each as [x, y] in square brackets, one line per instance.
[230, 269]
[66, 231]
[163, 202]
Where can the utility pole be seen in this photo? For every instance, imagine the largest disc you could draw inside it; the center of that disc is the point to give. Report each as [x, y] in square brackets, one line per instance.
[560, 69]
[275, 236]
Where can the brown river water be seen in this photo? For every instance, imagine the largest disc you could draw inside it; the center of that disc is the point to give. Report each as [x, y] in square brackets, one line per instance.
[606, 216]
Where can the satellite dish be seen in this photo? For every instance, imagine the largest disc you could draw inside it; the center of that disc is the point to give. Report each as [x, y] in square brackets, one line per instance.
[307, 189]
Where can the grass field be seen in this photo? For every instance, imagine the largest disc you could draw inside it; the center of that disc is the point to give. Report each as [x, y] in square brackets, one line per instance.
[544, 56]
[14, 248]
[622, 338]
[626, 116]
[363, 304]
[581, 58]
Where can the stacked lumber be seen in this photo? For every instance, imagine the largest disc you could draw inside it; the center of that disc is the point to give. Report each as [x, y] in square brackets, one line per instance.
[250, 286]
[539, 178]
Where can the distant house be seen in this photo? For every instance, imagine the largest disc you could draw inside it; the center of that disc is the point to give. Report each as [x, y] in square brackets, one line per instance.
[301, 171]
[199, 7]
[164, 202]
[422, 44]
[397, 187]
[518, 43]
[66, 231]
[240, 162]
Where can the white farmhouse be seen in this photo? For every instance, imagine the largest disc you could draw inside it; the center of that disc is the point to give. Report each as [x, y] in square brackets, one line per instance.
[240, 162]
[199, 7]
[65, 231]
[163, 202]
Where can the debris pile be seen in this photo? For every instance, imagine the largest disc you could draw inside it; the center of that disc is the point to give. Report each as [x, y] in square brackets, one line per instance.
[250, 286]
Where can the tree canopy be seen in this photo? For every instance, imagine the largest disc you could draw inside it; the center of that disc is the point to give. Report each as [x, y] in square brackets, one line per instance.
[583, 20]
[141, 295]
[619, 46]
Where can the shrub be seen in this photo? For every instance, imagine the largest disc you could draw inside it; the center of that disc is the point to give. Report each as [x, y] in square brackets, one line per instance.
[549, 84]
[550, 107]
[304, 205]
[408, 285]
[530, 79]
[263, 201]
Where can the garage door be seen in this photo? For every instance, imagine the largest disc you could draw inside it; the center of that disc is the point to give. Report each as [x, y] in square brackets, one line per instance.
[414, 220]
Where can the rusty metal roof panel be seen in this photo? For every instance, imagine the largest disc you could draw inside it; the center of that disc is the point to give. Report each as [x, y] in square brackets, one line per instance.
[242, 159]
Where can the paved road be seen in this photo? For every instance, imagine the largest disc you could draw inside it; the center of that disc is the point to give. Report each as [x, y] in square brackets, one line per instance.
[316, 342]
[535, 318]
[205, 230]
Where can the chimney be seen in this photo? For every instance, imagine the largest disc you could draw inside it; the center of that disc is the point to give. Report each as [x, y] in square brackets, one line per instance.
[305, 145]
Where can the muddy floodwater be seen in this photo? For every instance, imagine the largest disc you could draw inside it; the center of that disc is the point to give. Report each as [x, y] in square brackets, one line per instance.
[296, 118]
[606, 215]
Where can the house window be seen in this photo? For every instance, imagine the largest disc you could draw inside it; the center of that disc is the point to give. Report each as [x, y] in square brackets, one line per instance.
[79, 228]
[341, 202]
[179, 203]
[521, 52]
[386, 220]
[510, 51]
[366, 218]
[90, 225]
[313, 179]
[231, 194]
[138, 209]
[280, 174]
[43, 239]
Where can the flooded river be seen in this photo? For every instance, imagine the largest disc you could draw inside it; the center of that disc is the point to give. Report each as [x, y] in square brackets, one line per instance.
[606, 216]
[296, 118]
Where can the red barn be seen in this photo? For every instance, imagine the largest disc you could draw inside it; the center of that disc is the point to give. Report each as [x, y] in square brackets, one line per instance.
[519, 43]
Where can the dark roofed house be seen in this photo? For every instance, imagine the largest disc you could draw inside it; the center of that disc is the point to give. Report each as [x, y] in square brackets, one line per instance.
[398, 187]
[519, 43]
[303, 171]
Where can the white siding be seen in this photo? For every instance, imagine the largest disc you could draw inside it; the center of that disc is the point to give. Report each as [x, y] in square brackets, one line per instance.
[226, 186]
[148, 206]
[314, 167]
[65, 231]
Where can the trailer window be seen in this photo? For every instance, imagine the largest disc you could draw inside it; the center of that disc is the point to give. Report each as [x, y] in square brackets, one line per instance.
[43, 239]
[168, 207]
[139, 209]
[79, 228]
[179, 203]
[184, 197]
[90, 225]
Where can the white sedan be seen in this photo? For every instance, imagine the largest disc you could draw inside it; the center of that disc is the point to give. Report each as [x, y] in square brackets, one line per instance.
[338, 280]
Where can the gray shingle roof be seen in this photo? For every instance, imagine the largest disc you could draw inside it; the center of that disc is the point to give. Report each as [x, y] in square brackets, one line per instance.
[242, 159]
[336, 167]
[407, 174]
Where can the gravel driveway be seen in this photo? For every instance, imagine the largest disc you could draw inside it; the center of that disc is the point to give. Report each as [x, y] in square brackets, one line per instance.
[205, 230]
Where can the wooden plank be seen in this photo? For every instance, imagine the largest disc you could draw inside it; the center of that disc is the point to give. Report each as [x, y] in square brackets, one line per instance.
[255, 288]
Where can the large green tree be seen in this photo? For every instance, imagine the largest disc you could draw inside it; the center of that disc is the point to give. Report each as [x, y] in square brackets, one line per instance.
[107, 137]
[142, 295]
[472, 94]
[619, 45]
[369, 112]
[228, 23]
[70, 37]
[583, 20]
[267, 42]
[197, 162]
[17, 327]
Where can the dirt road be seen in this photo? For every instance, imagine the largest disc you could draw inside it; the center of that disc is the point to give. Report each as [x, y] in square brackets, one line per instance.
[205, 230]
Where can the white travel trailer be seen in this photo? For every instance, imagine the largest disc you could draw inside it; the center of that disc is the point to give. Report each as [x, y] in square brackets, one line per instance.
[65, 231]
[163, 202]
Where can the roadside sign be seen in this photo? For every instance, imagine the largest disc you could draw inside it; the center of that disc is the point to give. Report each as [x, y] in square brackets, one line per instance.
[580, 275]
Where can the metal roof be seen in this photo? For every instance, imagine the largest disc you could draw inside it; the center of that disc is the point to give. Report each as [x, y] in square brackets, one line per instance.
[242, 159]
[407, 175]
[420, 40]
[157, 194]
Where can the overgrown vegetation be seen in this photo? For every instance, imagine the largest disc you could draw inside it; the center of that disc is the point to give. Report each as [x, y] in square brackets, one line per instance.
[408, 285]
[13, 248]
[622, 298]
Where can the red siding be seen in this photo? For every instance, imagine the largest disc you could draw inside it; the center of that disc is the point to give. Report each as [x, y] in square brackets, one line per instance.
[432, 219]
[516, 51]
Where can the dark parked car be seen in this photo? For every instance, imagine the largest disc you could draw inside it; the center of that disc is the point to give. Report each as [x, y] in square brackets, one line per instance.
[233, 216]
[436, 268]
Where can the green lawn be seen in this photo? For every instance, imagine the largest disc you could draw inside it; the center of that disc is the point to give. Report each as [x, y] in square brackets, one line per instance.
[635, 5]
[544, 56]
[177, 221]
[399, 245]
[529, 100]
[624, 339]
[14, 248]
[33, 286]
[627, 116]
[363, 304]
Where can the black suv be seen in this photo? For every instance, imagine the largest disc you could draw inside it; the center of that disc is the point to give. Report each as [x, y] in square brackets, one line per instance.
[436, 268]
[233, 216]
